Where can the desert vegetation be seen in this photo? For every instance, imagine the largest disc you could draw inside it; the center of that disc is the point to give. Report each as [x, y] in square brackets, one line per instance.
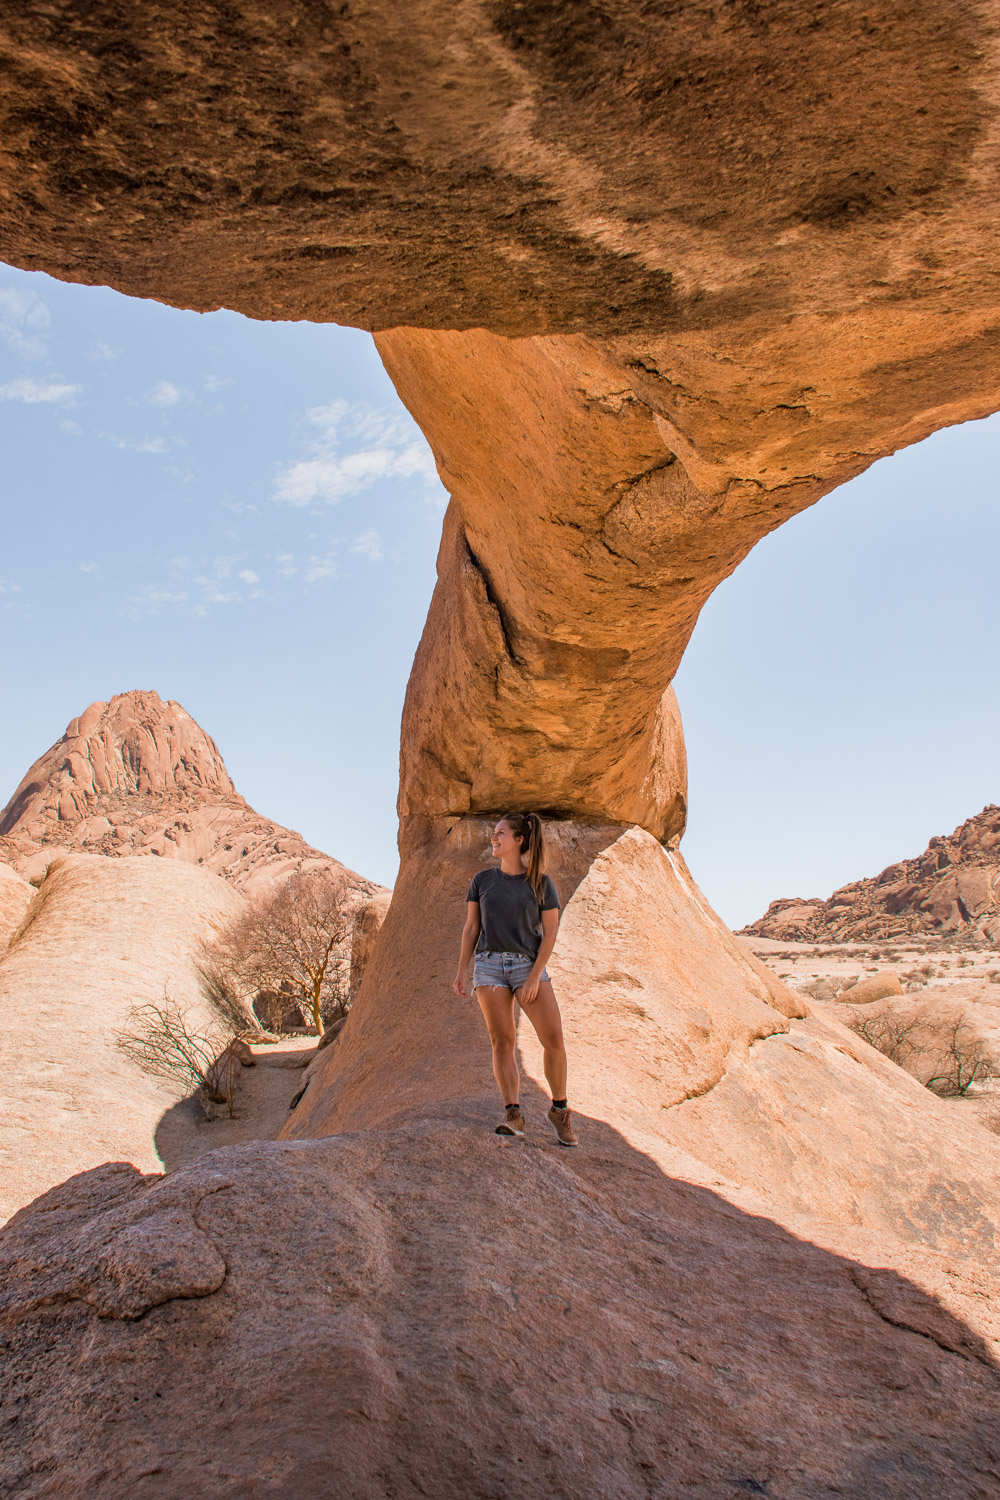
[291, 946]
[948, 1058]
[161, 1039]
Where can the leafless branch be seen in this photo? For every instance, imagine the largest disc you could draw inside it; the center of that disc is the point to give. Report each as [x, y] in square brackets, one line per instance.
[293, 943]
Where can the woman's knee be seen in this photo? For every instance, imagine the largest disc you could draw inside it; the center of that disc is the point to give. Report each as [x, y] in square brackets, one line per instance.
[503, 1043]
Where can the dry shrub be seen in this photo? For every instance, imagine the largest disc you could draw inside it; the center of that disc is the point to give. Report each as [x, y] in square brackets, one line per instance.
[963, 1060]
[235, 1016]
[949, 1063]
[888, 1032]
[293, 943]
[159, 1039]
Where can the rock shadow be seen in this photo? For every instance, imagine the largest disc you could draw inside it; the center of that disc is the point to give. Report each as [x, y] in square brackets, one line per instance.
[433, 1308]
[263, 1097]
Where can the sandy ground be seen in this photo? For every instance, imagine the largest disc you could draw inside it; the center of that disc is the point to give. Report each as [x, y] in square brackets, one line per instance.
[936, 975]
[263, 1095]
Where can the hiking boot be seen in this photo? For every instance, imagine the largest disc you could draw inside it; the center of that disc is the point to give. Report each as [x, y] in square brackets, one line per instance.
[514, 1122]
[562, 1127]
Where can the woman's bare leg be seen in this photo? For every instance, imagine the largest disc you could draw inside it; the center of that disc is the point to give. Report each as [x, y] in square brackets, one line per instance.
[543, 1013]
[497, 1006]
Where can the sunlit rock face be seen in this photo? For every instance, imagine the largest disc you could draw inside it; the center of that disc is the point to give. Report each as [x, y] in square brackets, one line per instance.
[138, 775]
[100, 937]
[951, 890]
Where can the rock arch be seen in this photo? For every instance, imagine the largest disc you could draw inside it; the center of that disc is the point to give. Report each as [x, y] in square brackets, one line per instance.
[651, 278]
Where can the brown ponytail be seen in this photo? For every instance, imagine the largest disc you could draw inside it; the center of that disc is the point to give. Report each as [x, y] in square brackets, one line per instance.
[528, 828]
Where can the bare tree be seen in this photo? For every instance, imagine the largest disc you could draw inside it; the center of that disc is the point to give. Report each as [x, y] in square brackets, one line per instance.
[962, 1061]
[293, 943]
[159, 1039]
[890, 1033]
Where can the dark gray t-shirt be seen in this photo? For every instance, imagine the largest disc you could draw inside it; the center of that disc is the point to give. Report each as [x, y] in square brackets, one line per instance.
[511, 913]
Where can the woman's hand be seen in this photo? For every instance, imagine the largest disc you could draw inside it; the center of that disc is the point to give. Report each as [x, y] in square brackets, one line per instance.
[529, 989]
[459, 985]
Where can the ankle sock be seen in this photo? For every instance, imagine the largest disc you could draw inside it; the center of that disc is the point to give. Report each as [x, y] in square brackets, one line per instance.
[560, 1103]
[512, 1106]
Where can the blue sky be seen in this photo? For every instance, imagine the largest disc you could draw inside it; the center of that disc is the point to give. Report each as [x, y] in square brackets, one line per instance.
[243, 516]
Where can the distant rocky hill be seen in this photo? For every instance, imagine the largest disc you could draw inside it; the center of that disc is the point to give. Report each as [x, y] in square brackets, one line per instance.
[951, 890]
[139, 776]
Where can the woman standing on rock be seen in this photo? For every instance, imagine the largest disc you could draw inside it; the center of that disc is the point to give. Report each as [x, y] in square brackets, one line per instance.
[513, 917]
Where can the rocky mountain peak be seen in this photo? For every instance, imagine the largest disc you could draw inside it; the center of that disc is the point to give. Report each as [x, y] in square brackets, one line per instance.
[132, 746]
[951, 890]
[138, 775]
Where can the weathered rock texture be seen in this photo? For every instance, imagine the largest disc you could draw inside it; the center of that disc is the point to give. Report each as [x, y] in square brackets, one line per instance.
[100, 936]
[15, 898]
[139, 776]
[951, 891]
[529, 168]
[408, 1342]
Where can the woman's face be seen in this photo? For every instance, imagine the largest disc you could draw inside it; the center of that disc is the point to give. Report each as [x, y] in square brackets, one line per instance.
[503, 842]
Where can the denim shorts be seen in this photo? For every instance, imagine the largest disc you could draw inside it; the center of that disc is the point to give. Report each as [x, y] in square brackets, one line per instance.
[503, 970]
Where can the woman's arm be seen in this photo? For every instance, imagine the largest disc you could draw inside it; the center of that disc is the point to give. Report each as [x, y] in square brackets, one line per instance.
[470, 937]
[550, 926]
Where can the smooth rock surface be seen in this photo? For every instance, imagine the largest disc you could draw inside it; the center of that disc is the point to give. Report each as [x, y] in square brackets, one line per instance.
[697, 1054]
[102, 935]
[15, 898]
[872, 987]
[637, 944]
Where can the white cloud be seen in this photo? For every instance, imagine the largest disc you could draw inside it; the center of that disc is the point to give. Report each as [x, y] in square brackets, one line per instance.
[164, 393]
[9, 588]
[286, 564]
[212, 594]
[355, 446]
[137, 445]
[73, 428]
[100, 350]
[320, 569]
[90, 567]
[23, 319]
[369, 543]
[196, 592]
[153, 599]
[216, 382]
[31, 391]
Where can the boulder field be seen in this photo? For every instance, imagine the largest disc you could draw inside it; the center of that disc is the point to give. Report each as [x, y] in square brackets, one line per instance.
[651, 279]
[951, 892]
